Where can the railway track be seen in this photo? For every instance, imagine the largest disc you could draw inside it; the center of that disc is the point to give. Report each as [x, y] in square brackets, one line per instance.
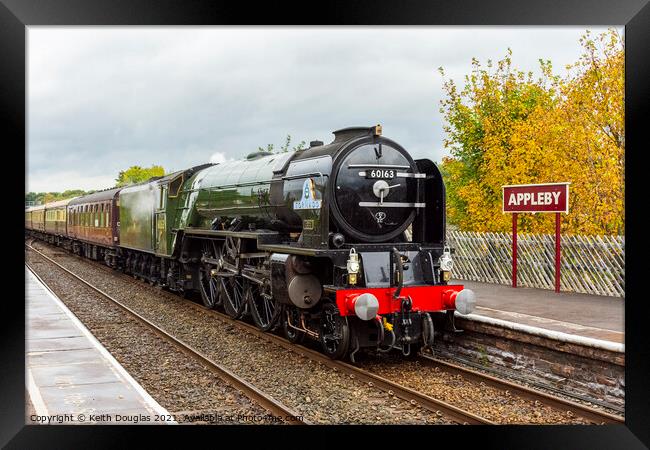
[392, 388]
[439, 407]
[273, 406]
[593, 415]
[614, 411]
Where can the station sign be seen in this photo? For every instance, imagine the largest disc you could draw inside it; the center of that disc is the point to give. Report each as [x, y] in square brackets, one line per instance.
[533, 198]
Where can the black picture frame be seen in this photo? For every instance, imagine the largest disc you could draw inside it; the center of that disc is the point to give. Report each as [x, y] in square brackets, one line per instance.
[16, 15]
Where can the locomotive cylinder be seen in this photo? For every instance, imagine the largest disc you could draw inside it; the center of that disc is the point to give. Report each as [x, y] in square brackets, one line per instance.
[292, 281]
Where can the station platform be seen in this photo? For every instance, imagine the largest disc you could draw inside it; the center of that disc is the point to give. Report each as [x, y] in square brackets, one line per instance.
[589, 316]
[71, 378]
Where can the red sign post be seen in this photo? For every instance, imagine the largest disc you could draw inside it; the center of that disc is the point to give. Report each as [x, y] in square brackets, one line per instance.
[534, 198]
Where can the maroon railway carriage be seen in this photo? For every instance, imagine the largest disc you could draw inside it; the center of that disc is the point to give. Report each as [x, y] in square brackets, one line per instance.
[93, 222]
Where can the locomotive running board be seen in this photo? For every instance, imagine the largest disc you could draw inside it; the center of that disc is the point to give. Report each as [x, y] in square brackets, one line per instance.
[225, 233]
[391, 205]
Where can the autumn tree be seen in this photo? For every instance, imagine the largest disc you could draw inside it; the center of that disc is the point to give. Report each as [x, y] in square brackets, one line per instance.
[506, 126]
[137, 174]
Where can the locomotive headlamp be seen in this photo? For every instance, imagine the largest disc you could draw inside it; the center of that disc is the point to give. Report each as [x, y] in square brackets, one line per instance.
[353, 266]
[446, 263]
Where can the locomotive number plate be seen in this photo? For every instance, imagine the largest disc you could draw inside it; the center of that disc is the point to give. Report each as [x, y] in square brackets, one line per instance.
[384, 174]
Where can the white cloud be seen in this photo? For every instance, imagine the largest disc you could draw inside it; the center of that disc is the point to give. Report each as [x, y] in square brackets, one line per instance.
[60, 181]
[218, 158]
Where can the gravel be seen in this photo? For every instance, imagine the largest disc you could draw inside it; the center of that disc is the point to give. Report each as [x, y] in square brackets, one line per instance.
[486, 401]
[610, 409]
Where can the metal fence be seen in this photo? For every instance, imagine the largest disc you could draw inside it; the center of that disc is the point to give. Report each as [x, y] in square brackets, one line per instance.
[590, 264]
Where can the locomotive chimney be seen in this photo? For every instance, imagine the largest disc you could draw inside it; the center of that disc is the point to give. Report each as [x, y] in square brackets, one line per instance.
[345, 134]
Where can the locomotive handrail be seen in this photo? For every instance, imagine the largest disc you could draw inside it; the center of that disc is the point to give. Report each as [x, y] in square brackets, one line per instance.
[257, 183]
[378, 166]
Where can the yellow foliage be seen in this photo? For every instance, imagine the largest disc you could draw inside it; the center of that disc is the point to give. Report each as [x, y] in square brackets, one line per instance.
[505, 128]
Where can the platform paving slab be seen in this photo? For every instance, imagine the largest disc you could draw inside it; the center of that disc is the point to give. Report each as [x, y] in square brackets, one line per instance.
[592, 316]
[69, 371]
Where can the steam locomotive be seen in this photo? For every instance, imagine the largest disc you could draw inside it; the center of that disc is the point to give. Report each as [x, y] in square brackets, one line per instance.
[343, 243]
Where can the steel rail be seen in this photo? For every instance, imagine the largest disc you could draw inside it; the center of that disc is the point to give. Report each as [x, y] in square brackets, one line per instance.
[266, 401]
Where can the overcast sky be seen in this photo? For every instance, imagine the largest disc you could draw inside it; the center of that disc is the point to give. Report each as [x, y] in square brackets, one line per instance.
[101, 99]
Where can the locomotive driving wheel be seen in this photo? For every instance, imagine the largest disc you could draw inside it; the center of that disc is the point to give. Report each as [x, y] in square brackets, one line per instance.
[334, 332]
[261, 304]
[232, 291]
[208, 281]
[231, 284]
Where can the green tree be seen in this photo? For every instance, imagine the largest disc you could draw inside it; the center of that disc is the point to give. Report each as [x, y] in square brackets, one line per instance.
[284, 148]
[39, 198]
[295, 148]
[137, 174]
